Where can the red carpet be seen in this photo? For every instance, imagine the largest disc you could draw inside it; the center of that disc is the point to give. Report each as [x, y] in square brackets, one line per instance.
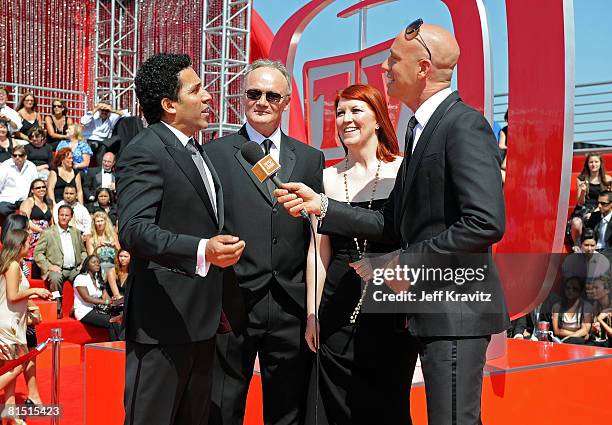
[71, 394]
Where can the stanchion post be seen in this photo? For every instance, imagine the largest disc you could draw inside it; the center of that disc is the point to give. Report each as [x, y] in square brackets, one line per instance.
[56, 340]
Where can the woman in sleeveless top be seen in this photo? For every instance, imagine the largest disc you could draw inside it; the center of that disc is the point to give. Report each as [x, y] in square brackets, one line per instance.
[103, 242]
[63, 175]
[40, 153]
[117, 276]
[6, 143]
[572, 316]
[57, 123]
[14, 294]
[590, 182]
[38, 207]
[30, 118]
[366, 360]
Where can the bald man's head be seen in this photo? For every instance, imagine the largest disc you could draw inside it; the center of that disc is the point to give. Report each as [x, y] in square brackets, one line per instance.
[412, 76]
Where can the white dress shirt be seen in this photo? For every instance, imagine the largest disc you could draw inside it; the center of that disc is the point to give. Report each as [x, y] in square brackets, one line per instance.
[96, 129]
[426, 110]
[202, 263]
[12, 115]
[67, 248]
[81, 219]
[107, 178]
[15, 183]
[601, 240]
[258, 138]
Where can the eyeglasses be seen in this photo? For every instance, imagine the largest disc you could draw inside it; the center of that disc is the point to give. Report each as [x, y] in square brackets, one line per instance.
[412, 32]
[272, 97]
[57, 106]
[39, 187]
[18, 155]
[603, 203]
[105, 110]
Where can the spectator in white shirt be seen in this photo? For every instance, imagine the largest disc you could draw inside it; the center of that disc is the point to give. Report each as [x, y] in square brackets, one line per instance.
[8, 114]
[16, 176]
[89, 292]
[98, 124]
[81, 218]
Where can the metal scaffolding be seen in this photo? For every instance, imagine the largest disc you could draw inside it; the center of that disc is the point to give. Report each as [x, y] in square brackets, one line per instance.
[226, 29]
[116, 52]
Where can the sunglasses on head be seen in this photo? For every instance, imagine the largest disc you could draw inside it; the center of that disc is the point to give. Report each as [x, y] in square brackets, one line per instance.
[18, 155]
[272, 97]
[412, 32]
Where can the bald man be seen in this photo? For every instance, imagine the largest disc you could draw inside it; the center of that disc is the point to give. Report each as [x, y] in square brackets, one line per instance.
[447, 199]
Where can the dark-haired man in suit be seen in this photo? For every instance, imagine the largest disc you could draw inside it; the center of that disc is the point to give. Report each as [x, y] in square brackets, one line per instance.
[170, 219]
[265, 296]
[447, 200]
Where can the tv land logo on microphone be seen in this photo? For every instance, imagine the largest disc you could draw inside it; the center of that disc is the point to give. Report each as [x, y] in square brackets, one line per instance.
[265, 167]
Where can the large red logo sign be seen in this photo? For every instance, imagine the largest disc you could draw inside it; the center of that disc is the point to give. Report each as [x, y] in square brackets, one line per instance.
[541, 93]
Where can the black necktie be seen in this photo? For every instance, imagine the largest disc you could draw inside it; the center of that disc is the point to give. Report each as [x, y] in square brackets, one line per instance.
[267, 145]
[408, 144]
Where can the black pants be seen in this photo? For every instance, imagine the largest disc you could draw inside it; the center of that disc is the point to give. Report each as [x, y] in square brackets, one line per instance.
[452, 369]
[101, 320]
[275, 331]
[168, 384]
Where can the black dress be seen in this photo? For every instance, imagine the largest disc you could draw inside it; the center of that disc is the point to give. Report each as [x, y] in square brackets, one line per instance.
[60, 184]
[39, 156]
[53, 142]
[366, 368]
[6, 153]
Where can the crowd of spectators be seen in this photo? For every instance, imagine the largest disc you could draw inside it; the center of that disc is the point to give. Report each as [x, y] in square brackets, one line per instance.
[51, 178]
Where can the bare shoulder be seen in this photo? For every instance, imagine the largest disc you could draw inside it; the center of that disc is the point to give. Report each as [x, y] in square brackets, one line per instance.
[331, 176]
[393, 167]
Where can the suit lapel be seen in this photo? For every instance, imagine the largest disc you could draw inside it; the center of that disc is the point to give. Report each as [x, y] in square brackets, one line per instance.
[287, 159]
[262, 187]
[183, 159]
[422, 143]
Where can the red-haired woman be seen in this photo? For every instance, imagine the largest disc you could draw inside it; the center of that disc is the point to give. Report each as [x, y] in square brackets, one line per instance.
[62, 175]
[366, 359]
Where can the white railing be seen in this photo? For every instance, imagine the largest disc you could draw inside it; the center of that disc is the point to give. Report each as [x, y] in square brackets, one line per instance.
[75, 101]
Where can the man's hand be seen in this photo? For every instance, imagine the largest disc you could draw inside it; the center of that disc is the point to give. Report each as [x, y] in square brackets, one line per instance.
[296, 197]
[224, 250]
[54, 268]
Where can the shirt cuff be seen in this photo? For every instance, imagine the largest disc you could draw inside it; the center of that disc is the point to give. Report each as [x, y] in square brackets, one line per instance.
[202, 265]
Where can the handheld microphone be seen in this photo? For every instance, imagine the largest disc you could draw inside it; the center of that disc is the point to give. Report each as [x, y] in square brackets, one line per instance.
[264, 167]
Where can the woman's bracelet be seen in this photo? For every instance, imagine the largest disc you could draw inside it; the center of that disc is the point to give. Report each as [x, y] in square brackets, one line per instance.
[324, 205]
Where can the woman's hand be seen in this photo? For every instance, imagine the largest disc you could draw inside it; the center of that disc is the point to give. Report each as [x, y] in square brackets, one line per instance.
[42, 293]
[312, 330]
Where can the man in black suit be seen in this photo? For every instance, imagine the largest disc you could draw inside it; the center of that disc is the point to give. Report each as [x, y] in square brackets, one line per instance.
[97, 177]
[265, 298]
[171, 216]
[448, 199]
[599, 221]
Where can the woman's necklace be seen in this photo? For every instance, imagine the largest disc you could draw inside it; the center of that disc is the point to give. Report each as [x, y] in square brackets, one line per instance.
[361, 253]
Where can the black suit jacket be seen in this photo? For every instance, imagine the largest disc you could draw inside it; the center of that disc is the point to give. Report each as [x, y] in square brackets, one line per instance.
[92, 180]
[164, 212]
[276, 243]
[450, 202]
